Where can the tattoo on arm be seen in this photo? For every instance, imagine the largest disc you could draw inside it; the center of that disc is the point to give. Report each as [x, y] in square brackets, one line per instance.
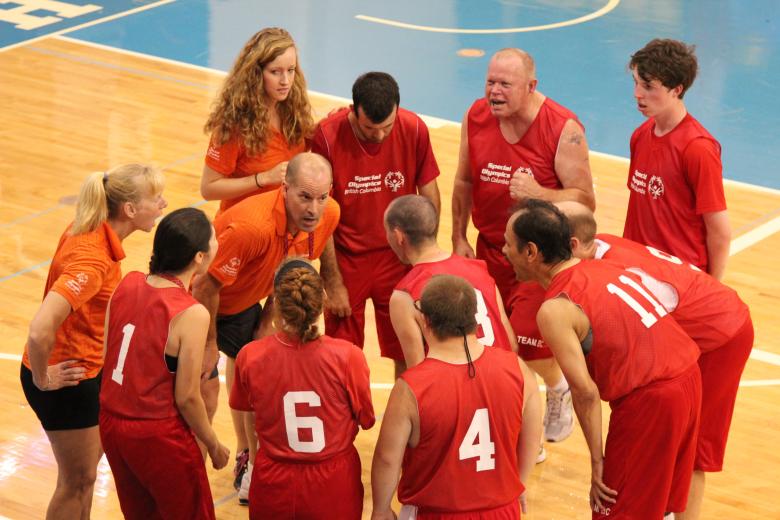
[575, 138]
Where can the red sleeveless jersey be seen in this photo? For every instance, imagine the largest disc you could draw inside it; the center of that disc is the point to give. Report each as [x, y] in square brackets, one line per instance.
[308, 398]
[493, 161]
[136, 381]
[709, 311]
[635, 341]
[490, 330]
[667, 199]
[469, 429]
[367, 177]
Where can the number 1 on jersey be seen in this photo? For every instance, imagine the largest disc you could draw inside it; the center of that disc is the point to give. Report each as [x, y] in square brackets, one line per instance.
[647, 317]
[485, 448]
[127, 334]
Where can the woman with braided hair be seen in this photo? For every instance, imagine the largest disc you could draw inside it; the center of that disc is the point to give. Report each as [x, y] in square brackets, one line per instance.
[309, 393]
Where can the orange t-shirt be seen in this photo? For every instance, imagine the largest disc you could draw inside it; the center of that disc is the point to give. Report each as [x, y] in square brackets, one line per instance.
[232, 160]
[253, 239]
[85, 270]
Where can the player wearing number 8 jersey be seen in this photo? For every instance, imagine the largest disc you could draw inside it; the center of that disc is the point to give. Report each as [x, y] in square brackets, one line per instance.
[613, 340]
[309, 394]
[462, 427]
[150, 401]
[411, 225]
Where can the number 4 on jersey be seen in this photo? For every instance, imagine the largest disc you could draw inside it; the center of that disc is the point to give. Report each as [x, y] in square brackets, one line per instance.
[477, 443]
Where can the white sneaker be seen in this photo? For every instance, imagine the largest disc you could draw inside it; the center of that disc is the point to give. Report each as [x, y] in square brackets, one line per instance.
[559, 415]
[246, 481]
[542, 455]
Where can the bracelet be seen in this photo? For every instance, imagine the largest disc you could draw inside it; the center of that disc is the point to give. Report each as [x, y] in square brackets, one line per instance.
[257, 183]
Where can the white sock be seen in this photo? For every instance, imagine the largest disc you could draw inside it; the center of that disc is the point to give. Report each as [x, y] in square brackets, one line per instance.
[561, 387]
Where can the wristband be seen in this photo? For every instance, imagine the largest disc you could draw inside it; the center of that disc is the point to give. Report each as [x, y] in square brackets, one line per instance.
[257, 183]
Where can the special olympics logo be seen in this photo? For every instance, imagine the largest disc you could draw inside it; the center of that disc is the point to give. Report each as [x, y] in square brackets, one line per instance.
[234, 262]
[656, 186]
[82, 279]
[394, 181]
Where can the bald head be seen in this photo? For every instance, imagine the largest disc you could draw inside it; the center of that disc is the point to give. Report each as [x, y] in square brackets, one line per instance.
[582, 223]
[524, 62]
[308, 167]
[415, 216]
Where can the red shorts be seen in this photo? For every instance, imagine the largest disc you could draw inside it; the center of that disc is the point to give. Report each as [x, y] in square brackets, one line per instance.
[721, 370]
[498, 267]
[331, 488]
[158, 469]
[650, 448]
[369, 275]
[510, 511]
[524, 304]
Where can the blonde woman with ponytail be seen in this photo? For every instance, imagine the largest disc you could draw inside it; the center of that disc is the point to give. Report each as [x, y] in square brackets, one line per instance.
[63, 357]
[309, 393]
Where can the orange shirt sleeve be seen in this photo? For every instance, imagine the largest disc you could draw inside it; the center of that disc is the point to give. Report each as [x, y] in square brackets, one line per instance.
[237, 246]
[80, 280]
[223, 158]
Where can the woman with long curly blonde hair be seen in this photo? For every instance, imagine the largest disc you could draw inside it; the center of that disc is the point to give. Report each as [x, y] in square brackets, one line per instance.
[261, 119]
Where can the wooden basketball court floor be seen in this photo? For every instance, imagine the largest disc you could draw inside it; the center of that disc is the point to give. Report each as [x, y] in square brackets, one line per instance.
[71, 108]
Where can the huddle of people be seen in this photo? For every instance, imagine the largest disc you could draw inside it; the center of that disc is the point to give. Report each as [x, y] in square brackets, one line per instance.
[129, 365]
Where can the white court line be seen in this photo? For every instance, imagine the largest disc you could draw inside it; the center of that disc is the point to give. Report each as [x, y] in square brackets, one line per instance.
[611, 4]
[754, 236]
[87, 24]
[760, 382]
[767, 357]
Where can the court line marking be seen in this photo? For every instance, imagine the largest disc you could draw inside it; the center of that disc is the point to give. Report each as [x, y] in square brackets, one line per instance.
[611, 4]
[754, 236]
[731, 182]
[25, 270]
[87, 24]
[434, 122]
[389, 386]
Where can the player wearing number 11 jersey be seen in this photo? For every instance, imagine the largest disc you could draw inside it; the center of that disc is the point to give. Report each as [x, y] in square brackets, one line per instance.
[309, 394]
[462, 427]
[614, 341]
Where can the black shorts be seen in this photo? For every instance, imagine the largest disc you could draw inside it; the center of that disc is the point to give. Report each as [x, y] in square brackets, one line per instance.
[69, 408]
[236, 330]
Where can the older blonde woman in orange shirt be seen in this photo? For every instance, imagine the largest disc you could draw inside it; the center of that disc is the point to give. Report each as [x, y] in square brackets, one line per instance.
[63, 357]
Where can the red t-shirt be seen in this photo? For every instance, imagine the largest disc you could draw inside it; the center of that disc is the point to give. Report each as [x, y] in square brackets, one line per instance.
[635, 341]
[709, 311]
[367, 176]
[469, 429]
[232, 160]
[493, 161]
[490, 330]
[673, 180]
[136, 383]
[308, 398]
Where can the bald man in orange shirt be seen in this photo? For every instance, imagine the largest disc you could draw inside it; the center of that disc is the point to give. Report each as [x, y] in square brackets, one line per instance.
[254, 236]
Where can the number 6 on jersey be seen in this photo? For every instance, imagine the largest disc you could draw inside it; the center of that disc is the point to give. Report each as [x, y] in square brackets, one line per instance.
[485, 448]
